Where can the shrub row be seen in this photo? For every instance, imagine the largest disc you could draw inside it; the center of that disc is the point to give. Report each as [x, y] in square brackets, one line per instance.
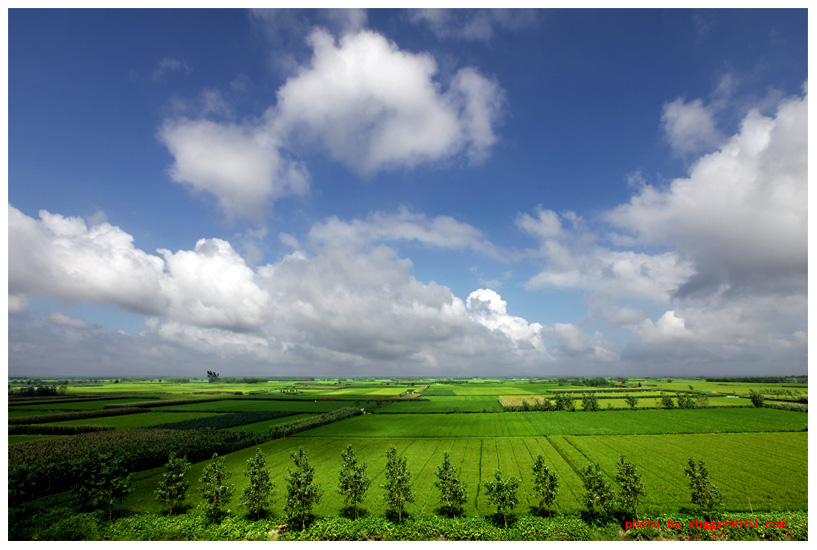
[62, 524]
[223, 420]
[55, 461]
[74, 415]
[44, 429]
[783, 407]
[289, 428]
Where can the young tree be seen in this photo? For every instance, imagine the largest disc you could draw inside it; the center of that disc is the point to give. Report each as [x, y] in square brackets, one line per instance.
[258, 493]
[112, 484]
[545, 483]
[666, 402]
[502, 493]
[685, 401]
[216, 493]
[302, 492]
[590, 402]
[173, 487]
[398, 483]
[756, 397]
[353, 482]
[597, 491]
[704, 494]
[631, 400]
[703, 401]
[629, 479]
[22, 483]
[452, 490]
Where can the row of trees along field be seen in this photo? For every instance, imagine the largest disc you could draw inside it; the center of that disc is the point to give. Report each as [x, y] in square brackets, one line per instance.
[109, 482]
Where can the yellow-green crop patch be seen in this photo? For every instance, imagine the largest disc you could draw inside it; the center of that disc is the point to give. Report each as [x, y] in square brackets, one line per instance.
[439, 404]
[252, 405]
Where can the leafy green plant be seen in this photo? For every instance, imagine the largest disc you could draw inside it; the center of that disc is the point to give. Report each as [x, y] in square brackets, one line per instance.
[302, 492]
[353, 482]
[704, 494]
[502, 493]
[757, 398]
[545, 483]
[590, 402]
[631, 400]
[259, 492]
[629, 480]
[398, 483]
[216, 493]
[597, 493]
[453, 492]
[173, 487]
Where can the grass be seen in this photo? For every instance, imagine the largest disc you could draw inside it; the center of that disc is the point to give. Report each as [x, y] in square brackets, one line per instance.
[527, 424]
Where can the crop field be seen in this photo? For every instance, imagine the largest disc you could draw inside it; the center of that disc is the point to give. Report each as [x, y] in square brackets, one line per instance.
[757, 457]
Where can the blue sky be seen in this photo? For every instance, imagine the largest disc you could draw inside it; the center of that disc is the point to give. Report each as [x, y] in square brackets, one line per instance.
[395, 192]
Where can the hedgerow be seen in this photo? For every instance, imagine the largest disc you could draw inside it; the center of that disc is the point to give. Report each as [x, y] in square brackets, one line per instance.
[289, 428]
[56, 460]
[74, 415]
[223, 420]
[163, 403]
[45, 429]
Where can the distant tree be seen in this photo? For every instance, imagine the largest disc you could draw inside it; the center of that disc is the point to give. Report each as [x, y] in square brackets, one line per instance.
[173, 487]
[629, 480]
[564, 402]
[590, 402]
[453, 492]
[545, 483]
[398, 483]
[259, 492]
[703, 401]
[502, 493]
[353, 482]
[666, 402]
[302, 492]
[756, 397]
[685, 401]
[216, 493]
[212, 376]
[631, 400]
[597, 491]
[704, 494]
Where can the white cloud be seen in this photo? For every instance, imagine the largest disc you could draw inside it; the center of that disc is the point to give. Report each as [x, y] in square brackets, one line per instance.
[544, 226]
[63, 320]
[241, 166]
[741, 216]
[472, 24]
[18, 303]
[404, 225]
[490, 310]
[362, 100]
[690, 127]
[375, 107]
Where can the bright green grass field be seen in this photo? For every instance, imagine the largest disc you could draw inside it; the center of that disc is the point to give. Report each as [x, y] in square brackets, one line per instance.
[465, 403]
[769, 468]
[527, 424]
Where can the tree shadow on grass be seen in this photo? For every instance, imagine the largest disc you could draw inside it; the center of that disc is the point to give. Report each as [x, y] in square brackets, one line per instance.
[348, 512]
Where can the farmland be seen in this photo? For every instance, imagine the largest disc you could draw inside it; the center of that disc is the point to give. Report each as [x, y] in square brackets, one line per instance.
[757, 457]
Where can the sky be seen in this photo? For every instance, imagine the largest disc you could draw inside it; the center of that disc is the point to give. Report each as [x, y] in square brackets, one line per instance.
[407, 192]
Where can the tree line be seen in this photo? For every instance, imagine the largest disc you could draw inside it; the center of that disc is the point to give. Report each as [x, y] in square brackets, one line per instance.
[107, 482]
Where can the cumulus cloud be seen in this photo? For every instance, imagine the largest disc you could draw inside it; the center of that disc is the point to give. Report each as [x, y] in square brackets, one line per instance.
[363, 101]
[490, 310]
[357, 307]
[741, 216]
[63, 258]
[373, 106]
[689, 127]
[242, 166]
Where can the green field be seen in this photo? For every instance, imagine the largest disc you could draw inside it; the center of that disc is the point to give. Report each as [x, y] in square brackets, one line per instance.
[757, 457]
